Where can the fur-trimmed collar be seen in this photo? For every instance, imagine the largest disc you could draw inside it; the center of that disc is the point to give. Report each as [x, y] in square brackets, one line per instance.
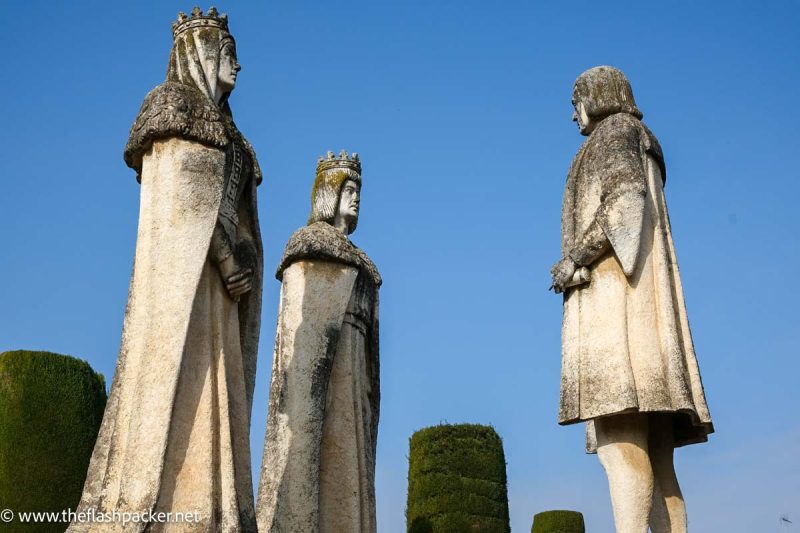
[177, 110]
[320, 240]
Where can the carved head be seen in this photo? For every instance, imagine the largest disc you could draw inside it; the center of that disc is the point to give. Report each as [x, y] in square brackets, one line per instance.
[337, 190]
[600, 92]
[229, 67]
[204, 54]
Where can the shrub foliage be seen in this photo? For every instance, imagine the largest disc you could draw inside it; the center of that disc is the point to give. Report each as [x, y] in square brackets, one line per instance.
[51, 407]
[457, 481]
[558, 522]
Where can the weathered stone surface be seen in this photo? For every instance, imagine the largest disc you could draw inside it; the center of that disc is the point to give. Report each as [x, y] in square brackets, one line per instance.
[626, 345]
[320, 240]
[318, 471]
[175, 435]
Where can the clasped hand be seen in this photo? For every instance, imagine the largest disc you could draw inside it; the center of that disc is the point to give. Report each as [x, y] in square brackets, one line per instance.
[238, 281]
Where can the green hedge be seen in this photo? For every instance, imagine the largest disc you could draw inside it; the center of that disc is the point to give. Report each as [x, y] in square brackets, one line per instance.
[51, 407]
[558, 522]
[457, 481]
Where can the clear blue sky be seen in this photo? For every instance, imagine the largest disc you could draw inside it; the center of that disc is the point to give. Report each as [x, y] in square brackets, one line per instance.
[461, 112]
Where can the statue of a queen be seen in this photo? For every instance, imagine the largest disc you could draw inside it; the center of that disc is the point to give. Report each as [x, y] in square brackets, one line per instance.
[175, 435]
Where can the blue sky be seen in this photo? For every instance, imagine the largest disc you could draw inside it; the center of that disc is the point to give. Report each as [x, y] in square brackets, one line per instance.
[461, 113]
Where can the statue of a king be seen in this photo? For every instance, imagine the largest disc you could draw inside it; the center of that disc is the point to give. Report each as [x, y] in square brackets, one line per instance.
[318, 472]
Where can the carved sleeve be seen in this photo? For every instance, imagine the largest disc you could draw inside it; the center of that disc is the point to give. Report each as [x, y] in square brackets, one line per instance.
[244, 247]
[591, 247]
[617, 222]
[246, 252]
[221, 248]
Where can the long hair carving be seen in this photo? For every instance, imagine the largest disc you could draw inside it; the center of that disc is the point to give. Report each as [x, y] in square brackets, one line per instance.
[332, 172]
[605, 91]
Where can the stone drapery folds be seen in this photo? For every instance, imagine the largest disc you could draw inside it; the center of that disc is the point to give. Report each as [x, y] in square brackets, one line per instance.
[626, 343]
[318, 471]
[175, 434]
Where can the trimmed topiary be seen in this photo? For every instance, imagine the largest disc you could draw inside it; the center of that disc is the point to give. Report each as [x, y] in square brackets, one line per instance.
[51, 407]
[457, 481]
[558, 522]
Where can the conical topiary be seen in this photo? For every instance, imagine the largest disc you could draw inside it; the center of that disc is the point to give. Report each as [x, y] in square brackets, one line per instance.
[558, 522]
[457, 481]
[51, 407]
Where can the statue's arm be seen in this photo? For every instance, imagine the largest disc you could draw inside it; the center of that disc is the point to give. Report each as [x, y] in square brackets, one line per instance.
[593, 244]
[245, 248]
[236, 261]
[617, 223]
[221, 249]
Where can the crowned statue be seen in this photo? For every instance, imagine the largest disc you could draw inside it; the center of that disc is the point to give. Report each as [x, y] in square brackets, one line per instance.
[175, 435]
[628, 362]
[318, 471]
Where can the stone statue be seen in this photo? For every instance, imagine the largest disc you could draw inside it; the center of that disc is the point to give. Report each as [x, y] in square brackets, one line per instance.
[629, 367]
[175, 435]
[318, 471]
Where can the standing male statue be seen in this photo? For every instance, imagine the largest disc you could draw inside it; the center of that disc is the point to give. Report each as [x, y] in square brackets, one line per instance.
[318, 471]
[175, 435]
[629, 367]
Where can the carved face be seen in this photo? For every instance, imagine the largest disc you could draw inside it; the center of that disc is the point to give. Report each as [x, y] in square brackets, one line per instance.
[228, 67]
[349, 200]
[585, 124]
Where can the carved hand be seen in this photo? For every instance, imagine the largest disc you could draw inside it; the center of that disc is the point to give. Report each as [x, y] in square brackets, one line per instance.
[562, 274]
[237, 280]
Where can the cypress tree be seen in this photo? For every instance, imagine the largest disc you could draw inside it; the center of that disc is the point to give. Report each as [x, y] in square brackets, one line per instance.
[457, 481]
[558, 522]
[51, 407]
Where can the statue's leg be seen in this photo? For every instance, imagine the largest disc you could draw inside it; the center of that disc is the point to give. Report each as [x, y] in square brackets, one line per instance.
[659, 516]
[622, 449]
[669, 509]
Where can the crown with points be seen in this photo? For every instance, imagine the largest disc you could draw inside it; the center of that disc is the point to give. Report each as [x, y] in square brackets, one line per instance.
[343, 161]
[212, 19]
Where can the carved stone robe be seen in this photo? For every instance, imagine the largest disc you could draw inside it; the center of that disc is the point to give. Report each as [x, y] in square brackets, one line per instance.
[175, 434]
[626, 343]
[318, 471]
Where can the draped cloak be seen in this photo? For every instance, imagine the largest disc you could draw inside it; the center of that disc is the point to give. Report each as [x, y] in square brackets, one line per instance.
[328, 316]
[178, 415]
[626, 342]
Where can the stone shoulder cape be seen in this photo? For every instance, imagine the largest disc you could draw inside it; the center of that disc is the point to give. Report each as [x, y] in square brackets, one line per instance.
[177, 110]
[626, 342]
[320, 240]
[318, 271]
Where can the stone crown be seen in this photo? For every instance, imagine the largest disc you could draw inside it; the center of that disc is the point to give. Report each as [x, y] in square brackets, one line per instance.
[342, 161]
[212, 19]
